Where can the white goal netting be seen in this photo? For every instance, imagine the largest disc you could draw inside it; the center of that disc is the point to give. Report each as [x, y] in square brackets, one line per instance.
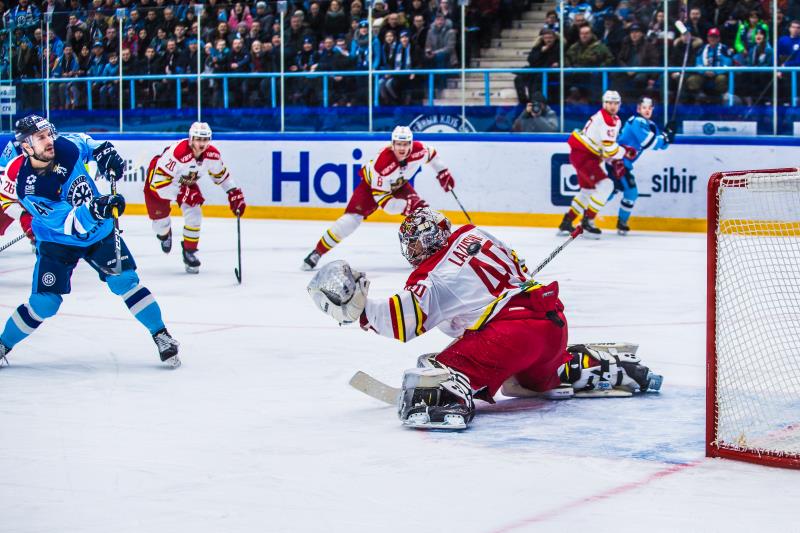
[757, 302]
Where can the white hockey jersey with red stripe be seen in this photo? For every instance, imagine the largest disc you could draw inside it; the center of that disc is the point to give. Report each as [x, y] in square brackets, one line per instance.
[599, 136]
[8, 188]
[385, 174]
[463, 286]
[177, 166]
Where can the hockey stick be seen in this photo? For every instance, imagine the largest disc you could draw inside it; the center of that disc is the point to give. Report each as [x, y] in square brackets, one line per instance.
[15, 240]
[461, 206]
[117, 270]
[684, 30]
[370, 386]
[238, 271]
[557, 251]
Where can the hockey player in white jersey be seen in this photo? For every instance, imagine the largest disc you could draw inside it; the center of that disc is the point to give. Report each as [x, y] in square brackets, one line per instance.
[507, 326]
[589, 148]
[384, 184]
[174, 176]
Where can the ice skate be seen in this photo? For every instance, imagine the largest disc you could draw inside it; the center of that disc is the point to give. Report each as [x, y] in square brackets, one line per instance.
[3, 351]
[190, 260]
[311, 260]
[566, 227]
[622, 228]
[167, 348]
[166, 242]
[590, 229]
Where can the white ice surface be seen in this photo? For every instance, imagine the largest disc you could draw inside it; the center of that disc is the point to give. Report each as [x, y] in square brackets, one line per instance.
[258, 431]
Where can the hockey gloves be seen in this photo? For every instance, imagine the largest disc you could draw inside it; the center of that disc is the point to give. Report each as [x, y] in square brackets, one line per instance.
[102, 207]
[446, 180]
[339, 291]
[236, 201]
[669, 133]
[630, 152]
[109, 162]
[618, 168]
[190, 195]
[25, 220]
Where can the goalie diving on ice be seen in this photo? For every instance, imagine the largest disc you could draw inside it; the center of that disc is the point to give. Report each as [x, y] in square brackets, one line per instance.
[510, 331]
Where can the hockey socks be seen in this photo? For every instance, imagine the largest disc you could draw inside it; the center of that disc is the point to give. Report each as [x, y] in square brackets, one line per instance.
[27, 317]
[138, 299]
[342, 228]
[191, 237]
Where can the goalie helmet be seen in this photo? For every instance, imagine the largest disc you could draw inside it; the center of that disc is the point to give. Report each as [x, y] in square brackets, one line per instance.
[402, 134]
[28, 125]
[423, 233]
[201, 130]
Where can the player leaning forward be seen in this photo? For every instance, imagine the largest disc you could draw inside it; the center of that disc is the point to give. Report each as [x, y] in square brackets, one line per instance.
[472, 287]
[173, 176]
[72, 221]
[590, 147]
[384, 183]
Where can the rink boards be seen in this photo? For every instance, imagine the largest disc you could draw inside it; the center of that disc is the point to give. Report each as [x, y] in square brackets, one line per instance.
[523, 180]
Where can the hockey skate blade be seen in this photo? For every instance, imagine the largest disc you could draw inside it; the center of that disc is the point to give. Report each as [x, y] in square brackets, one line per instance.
[172, 362]
[512, 389]
[608, 393]
[423, 421]
[363, 382]
[192, 270]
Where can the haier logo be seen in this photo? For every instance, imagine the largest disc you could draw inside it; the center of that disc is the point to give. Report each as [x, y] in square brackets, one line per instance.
[335, 175]
[563, 180]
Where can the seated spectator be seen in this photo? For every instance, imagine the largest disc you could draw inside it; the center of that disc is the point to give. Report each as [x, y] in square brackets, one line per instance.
[151, 22]
[656, 33]
[637, 52]
[544, 54]
[789, 46]
[356, 12]
[66, 66]
[696, 24]
[315, 20]
[131, 41]
[333, 58]
[746, 33]
[168, 21]
[159, 42]
[264, 15]
[128, 65]
[77, 37]
[238, 62]
[359, 48]
[180, 36]
[143, 40]
[217, 62]
[134, 21]
[379, 9]
[295, 35]
[335, 21]
[111, 40]
[97, 64]
[551, 22]
[390, 24]
[613, 34]
[417, 7]
[108, 89]
[574, 7]
[709, 86]
[574, 29]
[587, 52]
[536, 117]
[240, 14]
[303, 91]
[759, 55]
[440, 46]
[419, 37]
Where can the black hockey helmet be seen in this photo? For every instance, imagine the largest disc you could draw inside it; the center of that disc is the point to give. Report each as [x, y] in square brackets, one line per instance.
[30, 124]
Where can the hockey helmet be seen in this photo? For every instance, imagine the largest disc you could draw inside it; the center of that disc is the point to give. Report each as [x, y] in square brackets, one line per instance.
[423, 233]
[402, 134]
[201, 130]
[611, 96]
[30, 124]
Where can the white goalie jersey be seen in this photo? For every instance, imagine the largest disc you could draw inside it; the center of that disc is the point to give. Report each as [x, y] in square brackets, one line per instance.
[461, 287]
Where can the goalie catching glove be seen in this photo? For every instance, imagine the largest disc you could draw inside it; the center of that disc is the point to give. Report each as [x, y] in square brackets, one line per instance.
[340, 291]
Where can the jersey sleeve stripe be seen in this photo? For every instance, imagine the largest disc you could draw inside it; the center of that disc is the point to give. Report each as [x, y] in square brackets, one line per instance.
[419, 315]
[398, 323]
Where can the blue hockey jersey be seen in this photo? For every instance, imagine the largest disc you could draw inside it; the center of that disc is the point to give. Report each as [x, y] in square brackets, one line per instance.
[641, 134]
[58, 199]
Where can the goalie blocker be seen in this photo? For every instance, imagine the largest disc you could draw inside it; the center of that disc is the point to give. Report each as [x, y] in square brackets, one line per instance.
[520, 335]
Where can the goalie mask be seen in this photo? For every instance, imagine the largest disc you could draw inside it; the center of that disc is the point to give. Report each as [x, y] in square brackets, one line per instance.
[423, 233]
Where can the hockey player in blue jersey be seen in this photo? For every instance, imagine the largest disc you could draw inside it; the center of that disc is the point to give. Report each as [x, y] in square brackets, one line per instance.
[640, 133]
[72, 221]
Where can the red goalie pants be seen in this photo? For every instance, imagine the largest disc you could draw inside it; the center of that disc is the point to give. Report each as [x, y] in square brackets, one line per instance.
[157, 207]
[587, 166]
[514, 343]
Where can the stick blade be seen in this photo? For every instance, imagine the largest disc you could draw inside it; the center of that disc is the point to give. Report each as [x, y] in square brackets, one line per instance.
[363, 382]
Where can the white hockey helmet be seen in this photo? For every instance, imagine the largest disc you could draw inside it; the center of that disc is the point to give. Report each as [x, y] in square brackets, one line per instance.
[201, 130]
[402, 134]
[611, 96]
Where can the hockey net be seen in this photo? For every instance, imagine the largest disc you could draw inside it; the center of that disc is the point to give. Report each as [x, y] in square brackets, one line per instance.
[753, 345]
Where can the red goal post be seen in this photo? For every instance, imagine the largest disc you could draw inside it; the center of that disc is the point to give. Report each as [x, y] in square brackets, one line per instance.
[753, 317]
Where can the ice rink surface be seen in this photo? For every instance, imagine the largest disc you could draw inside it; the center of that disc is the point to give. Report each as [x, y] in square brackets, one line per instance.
[258, 431]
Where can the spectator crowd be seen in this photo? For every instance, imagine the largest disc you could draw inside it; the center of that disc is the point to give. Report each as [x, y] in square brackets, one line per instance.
[631, 33]
[163, 37]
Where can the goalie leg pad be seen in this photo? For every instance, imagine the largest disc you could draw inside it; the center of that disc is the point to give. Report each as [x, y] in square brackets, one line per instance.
[592, 370]
[435, 398]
